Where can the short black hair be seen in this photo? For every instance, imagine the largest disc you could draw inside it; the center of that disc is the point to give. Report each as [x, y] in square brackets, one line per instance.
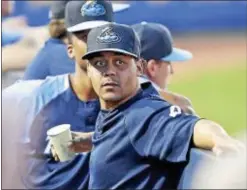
[69, 36]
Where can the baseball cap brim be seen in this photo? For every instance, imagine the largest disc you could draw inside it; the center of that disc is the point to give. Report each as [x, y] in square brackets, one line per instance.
[119, 7]
[87, 25]
[178, 55]
[90, 54]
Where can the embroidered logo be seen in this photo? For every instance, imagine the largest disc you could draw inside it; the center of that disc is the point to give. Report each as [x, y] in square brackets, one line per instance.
[108, 36]
[92, 8]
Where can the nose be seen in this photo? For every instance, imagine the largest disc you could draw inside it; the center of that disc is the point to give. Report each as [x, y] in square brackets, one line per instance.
[110, 70]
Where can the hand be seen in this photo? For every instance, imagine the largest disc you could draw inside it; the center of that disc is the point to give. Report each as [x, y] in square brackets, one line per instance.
[225, 145]
[81, 142]
[54, 154]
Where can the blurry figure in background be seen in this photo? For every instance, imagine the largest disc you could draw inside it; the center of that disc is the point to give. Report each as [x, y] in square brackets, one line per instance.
[52, 59]
[158, 53]
[47, 62]
[11, 22]
[18, 48]
[226, 172]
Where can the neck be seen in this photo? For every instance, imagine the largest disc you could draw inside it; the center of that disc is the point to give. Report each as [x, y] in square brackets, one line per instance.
[82, 86]
[110, 105]
[65, 40]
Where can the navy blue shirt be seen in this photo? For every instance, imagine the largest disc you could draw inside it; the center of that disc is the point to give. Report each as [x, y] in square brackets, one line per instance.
[51, 60]
[38, 106]
[142, 144]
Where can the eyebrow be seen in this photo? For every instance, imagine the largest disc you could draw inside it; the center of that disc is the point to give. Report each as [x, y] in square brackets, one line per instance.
[99, 55]
[114, 54]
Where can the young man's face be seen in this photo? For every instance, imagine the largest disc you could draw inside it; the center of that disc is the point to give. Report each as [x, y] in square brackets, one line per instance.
[113, 76]
[78, 46]
[159, 72]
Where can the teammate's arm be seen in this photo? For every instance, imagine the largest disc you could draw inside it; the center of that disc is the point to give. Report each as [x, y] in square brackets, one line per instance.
[179, 100]
[172, 98]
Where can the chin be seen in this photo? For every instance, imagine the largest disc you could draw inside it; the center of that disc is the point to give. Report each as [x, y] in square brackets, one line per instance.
[111, 97]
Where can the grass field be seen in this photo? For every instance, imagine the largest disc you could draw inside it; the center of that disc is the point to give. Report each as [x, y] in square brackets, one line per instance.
[218, 94]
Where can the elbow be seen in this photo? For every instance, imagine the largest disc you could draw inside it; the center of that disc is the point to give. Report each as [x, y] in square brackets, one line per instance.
[206, 132]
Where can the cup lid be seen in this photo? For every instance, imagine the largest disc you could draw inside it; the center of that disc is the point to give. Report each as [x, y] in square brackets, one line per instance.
[58, 129]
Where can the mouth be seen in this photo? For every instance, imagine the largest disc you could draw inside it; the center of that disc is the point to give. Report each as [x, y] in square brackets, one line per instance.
[110, 84]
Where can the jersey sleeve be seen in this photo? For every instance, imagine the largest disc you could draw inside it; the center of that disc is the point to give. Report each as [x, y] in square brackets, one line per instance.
[164, 133]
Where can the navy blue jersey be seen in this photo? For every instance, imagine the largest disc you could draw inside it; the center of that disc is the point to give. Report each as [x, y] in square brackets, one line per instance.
[40, 107]
[51, 60]
[142, 144]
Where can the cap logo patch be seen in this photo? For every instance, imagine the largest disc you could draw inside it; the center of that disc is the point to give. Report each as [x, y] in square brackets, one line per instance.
[108, 36]
[92, 8]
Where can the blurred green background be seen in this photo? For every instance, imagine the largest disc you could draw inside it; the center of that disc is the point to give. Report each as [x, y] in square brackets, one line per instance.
[218, 94]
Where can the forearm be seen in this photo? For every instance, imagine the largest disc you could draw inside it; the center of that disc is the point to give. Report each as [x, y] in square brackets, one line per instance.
[179, 100]
[207, 134]
[16, 57]
[82, 142]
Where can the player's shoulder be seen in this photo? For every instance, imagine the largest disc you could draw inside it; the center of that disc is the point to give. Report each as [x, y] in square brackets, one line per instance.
[183, 102]
[22, 88]
[19, 95]
[52, 87]
[49, 49]
[144, 79]
[53, 46]
[145, 108]
[180, 99]
[40, 91]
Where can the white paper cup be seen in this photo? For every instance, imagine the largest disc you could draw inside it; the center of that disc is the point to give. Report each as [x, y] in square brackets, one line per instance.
[59, 137]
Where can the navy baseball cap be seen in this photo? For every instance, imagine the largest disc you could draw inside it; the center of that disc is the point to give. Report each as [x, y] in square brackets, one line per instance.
[84, 15]
[57, 9]
[157, 43]
[113, 37]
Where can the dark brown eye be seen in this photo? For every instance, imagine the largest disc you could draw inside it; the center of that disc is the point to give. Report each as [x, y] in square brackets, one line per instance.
[99, 63]
[119, 62]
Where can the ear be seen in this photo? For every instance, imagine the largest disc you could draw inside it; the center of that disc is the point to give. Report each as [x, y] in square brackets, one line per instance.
[151, 68]
[70, 51]
[139, 67]
[88, 69]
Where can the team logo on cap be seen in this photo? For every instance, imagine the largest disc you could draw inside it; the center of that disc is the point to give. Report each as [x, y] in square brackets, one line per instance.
[108, 36]
[92, 8]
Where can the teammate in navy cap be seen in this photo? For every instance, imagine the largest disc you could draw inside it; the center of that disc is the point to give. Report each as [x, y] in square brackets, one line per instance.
[65, 99]
[159, 53]
[53, 59]
[140, 141]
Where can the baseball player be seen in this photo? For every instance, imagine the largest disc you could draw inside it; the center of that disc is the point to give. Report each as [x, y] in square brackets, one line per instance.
[158, 52]
[140, 141]
[47, 63]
